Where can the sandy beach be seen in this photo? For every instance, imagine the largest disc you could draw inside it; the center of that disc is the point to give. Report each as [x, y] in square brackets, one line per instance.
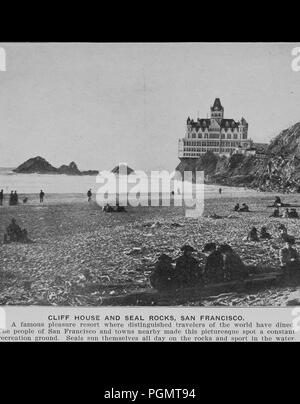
[80, 254]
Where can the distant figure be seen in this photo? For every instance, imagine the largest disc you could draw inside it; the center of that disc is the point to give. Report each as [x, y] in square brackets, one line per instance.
[244, 208]
[277, 201]
[286, 213]
[11, 198]
[220, 191]
[89, 195]
[275, 213]
[16, 198]
[234, 268]
[187, 271]
[293, 214]
[42, 194]
[289, 259]
[237, 207]
[162, 276]
[252, 235]
[213, 269]
[264, 235]
[1, 197]
[285, 236]
[25, 200]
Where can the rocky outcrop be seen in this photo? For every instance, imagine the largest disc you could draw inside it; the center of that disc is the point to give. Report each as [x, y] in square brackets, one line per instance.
[122, 168]
[278, 169]
[71, 169]
[38, 165]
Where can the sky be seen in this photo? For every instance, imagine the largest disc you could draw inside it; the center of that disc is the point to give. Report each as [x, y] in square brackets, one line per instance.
[100, 104]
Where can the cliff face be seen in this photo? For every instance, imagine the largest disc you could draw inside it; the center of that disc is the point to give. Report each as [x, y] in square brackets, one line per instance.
[39, 165]
[278, 170]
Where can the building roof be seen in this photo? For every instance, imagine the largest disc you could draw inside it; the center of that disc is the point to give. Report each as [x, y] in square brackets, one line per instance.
[228, 123]
[217, 105]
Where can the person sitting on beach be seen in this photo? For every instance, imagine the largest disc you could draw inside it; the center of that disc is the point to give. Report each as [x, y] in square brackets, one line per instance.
[286, 213]
[215, 216]
[234, 268]
[14, 233]
[252, 235]
[162, 276]
[213, 268]
[293, 214]
[244, 208]
[237, 207]
[25, 200]
[275, 213]
[1, 197]
[107, 208]
[120, 208]
[283, 234]
[264, 235]
[187, 271]
[89, 195]
[289, 258]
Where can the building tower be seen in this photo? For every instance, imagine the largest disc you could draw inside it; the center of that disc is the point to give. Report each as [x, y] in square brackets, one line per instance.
[217, 111]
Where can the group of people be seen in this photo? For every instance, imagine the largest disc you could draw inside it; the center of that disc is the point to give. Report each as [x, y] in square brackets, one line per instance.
[287, 214]
[14, 233]
[222, 263]
[243, 208]
[14, 198]
[264, 235]
[108, 209]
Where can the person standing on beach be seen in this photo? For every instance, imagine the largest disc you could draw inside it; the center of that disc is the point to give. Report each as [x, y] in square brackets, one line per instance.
[220, 191]
[42, 194]
[16, 198]
[1, 197]
[11, 198]
[89, 195]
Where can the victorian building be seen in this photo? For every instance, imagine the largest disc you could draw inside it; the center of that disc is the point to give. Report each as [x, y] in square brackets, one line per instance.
[222, 136]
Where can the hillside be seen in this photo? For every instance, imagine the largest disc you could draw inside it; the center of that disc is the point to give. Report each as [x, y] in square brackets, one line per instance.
[278, 170]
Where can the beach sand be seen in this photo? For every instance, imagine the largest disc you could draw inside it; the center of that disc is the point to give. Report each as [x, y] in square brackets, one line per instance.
[81, 254]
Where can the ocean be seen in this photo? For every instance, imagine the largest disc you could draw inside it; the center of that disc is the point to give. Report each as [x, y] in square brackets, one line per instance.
[69, 184]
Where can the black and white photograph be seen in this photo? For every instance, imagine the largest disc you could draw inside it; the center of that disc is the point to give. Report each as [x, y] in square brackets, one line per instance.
[150, 174]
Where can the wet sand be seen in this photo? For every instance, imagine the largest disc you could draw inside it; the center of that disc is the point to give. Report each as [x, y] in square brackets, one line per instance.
[81, 254]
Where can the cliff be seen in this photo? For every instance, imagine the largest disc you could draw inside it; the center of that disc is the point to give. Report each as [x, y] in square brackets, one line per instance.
[278, 169]
[39, 165]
